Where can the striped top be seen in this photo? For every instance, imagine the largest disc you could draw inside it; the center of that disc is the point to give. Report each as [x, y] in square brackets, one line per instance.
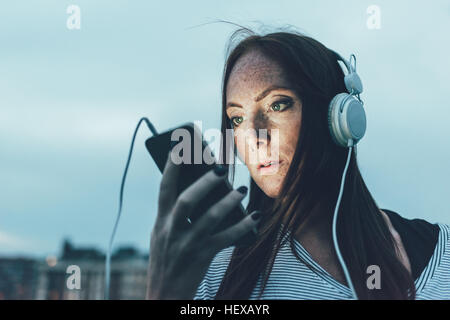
[291, 279]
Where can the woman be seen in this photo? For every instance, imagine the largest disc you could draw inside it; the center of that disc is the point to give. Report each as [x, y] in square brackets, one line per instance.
[285, 82]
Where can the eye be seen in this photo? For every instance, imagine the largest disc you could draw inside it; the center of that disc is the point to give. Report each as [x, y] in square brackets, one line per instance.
[236, 121]
[281, 105]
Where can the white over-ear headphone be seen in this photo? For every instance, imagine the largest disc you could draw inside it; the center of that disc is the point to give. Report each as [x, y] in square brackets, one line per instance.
[346, 115]
[347, 124]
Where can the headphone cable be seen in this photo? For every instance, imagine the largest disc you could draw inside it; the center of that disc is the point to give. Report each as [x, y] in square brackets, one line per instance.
[108, 253]
[335, 216]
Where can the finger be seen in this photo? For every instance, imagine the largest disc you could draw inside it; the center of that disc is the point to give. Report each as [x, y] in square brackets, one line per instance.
[168, 185]
[217, 213]
[193, 194]
[231, 235]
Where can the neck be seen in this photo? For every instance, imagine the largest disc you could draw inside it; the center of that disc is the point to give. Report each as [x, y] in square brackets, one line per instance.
[315, 235]
[319, 222]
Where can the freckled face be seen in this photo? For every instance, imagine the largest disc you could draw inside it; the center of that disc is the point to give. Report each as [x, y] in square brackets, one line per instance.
[258, 96]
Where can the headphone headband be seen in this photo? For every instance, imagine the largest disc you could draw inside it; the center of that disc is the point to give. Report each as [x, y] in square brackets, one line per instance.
[352, 80]
[339, 58]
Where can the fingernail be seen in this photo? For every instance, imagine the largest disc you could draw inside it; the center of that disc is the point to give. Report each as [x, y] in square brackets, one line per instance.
[242, 189]
[256, 215]
[220, 170]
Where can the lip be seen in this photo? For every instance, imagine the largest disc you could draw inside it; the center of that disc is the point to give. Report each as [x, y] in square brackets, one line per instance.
[274, 164]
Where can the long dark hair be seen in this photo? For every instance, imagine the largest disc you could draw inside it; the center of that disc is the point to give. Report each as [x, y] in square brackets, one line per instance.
[364, 237]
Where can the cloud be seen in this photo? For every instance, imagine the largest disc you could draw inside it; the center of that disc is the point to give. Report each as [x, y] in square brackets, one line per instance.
[11, 243]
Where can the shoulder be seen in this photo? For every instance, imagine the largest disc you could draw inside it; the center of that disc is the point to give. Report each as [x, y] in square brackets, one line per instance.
[419, 238]
[213, 277]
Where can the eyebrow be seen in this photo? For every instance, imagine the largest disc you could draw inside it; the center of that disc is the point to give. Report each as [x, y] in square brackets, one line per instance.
[261, 96]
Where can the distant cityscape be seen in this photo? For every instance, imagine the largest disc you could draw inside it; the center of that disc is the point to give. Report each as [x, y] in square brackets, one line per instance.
[46, 279]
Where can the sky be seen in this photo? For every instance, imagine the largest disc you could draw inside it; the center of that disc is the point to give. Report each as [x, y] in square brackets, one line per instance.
[71, 98]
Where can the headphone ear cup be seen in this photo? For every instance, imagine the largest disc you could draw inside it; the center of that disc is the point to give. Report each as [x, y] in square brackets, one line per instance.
[334, 121]
[355, 120]
[348, 124]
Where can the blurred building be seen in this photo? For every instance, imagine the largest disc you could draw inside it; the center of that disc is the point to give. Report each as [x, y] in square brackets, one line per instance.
[47, 280]
[18, 278]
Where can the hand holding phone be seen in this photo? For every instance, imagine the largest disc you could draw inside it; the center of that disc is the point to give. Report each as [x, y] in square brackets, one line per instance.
[196, 159]
[180, 253]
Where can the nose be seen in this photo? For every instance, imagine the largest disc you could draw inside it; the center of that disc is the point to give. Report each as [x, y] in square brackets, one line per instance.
[260, 131]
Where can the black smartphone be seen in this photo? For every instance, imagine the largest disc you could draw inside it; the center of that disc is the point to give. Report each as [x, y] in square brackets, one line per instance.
[196, 159]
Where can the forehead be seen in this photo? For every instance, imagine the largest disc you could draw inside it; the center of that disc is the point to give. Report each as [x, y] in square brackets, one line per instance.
[252, 73]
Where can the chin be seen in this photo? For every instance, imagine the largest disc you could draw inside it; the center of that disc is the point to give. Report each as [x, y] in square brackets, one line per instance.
[269, 184]
[272, 193]
[271, 188]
